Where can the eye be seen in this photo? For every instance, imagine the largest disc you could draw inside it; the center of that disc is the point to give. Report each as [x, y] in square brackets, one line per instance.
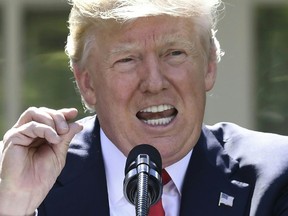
[176, 53]
[124, 60]
[125, 64]
[175, 57]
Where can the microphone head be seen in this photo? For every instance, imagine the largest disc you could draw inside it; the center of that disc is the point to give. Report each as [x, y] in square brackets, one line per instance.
[144, 149]
[142, 160]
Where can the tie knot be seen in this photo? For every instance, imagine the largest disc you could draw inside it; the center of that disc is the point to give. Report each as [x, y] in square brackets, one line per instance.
[165, 177]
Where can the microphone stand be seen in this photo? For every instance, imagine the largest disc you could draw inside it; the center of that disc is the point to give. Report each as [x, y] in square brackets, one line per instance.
[142, 200]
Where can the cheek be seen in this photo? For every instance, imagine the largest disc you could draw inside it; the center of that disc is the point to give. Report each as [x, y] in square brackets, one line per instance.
[193, 91]
[117, 90]
[190, 78]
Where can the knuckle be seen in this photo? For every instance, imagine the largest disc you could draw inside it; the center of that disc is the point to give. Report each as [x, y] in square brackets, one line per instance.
[31, 109]
[32, 125]
[45, 109]
[28, 112]
[10, 137]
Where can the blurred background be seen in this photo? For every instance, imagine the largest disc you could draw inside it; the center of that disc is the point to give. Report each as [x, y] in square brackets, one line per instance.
[251, 88]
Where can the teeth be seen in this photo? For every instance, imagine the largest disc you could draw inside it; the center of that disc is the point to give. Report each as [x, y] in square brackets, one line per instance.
[158, 109]
[155, 109]
[161, 121]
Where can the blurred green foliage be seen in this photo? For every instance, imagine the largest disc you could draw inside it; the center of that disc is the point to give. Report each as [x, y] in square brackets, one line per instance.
[272, 68]
[48, 80]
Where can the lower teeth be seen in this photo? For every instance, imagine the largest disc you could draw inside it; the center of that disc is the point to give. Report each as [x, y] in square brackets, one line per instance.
[161, 121]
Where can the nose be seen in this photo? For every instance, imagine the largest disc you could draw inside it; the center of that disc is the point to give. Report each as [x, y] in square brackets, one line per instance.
[153, 79]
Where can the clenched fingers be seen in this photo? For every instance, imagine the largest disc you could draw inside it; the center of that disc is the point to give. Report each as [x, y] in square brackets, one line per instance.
[27, 133]
[56, 119]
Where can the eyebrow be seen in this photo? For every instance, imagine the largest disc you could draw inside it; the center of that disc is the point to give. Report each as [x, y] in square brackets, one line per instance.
[179, 41]
[123, 48]
[165, 41]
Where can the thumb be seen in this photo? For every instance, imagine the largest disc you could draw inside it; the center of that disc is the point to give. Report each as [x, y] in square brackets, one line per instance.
[62, 148]
[69, 113]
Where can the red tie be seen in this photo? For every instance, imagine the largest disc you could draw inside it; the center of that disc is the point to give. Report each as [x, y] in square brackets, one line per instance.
[157, 209]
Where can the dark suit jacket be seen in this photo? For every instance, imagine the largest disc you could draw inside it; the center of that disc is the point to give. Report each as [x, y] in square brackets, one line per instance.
[249, 166]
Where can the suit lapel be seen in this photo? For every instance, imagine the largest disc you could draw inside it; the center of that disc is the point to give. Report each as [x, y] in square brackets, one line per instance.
[81, 187]
[211, 172]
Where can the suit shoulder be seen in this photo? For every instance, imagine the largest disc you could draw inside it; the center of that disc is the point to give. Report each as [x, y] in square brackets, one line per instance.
[227, 132]
[89, 132]
[253, 148]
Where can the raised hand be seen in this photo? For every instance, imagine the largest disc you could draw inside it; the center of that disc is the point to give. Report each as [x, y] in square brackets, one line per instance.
[33, 155]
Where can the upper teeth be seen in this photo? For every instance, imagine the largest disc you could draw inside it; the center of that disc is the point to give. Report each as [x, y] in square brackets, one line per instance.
[155, 109]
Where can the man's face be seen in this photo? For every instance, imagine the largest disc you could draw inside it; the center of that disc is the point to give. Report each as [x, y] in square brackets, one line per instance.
[147, 80]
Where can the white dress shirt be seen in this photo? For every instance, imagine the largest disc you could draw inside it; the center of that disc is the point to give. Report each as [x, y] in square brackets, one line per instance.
[115, 160]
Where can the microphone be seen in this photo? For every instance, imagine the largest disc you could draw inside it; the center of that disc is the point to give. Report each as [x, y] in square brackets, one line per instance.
[143, 183]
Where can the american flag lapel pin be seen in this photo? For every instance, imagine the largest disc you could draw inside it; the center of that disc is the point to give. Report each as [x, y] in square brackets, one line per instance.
[225, 199]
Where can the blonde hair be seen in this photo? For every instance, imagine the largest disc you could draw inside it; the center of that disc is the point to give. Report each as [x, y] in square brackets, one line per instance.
[86, 15]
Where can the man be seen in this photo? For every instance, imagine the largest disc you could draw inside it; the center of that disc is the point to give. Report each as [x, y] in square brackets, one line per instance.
[144, 67]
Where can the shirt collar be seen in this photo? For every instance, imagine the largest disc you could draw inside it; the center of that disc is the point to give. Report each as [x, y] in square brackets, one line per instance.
[115, 160]
[177, 171]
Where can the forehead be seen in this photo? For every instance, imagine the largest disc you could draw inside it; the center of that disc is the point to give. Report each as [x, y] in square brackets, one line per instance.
[148, 31]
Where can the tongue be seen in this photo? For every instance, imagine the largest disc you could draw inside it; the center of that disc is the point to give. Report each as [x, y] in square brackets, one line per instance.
[158, 115]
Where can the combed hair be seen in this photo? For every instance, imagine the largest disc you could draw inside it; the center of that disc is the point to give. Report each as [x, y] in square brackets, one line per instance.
[87, 13]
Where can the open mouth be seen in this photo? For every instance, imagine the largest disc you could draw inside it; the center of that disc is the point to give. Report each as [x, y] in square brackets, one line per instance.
[157, 115]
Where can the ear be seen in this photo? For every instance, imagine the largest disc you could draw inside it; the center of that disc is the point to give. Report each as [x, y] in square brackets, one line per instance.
[85, 84]
[211, 72]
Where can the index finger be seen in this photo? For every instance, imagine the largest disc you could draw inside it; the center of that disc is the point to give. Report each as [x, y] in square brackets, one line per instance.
[57, 119]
